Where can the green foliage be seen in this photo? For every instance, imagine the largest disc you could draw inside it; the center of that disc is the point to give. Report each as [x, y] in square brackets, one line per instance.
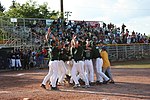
[1, 13]
[30, 10]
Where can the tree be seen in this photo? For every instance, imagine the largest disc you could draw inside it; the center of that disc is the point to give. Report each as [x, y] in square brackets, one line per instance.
[30, 10]
[1, 8]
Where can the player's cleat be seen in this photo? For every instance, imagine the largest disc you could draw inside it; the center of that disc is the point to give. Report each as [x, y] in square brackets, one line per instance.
[92, 83]
[60, 84]
[43, 86]
[105, 82]
[54, 88]
[112, 82]
[86, 86]
[99, 83]
[76, 86]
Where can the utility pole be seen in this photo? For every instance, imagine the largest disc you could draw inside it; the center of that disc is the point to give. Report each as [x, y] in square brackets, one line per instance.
[62, 9]
[13, 4]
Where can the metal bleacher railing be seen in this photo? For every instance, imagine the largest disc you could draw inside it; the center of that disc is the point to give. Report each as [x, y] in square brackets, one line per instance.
[20, 33]
[123, 52]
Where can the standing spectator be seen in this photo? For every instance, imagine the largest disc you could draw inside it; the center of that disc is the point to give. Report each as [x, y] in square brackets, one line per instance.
[129, 39]
[25, 59]
[18, 61]
[123, 28]
[45, 59]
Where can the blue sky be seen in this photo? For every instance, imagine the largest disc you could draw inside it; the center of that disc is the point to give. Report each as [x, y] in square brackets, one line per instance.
[135, 14]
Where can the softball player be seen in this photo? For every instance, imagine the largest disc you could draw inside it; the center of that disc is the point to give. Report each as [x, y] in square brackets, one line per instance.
[78, 65]
[53, 68]
[98, 65]
[13, 60]
[61, 63]
[89, 71]
[18, 61]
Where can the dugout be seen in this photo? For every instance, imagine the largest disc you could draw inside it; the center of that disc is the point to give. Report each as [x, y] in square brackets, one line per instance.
[4, 57]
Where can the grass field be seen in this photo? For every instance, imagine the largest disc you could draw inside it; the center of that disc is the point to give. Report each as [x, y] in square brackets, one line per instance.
[132, 64]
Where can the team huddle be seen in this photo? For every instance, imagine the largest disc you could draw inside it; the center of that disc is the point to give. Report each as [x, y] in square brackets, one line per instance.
[77, 60]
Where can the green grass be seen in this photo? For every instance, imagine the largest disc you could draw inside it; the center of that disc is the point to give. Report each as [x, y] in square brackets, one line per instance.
[132, 64]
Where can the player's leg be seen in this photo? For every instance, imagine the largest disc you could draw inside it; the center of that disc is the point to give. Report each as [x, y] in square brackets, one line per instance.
[101, 74]
[110, 75]
[54, 75]
[86, 68]
[13, 63]
[82, 73]
[47, 77]
[91, 72]
[63, 72]
[74, 73]
[96, 70]
[19, 63]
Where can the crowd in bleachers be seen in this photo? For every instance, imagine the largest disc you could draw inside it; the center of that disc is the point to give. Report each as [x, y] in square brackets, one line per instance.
[36, 30]
[106, 33]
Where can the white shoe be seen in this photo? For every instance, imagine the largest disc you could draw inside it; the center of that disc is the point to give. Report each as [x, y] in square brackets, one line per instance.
[60, 84]
[76, 86]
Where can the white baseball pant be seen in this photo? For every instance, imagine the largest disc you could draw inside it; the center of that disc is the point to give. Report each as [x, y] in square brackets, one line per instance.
[101, 75]
[78, 67]
[61, 70]
[18, 63]
[13, 61]
[89, 71]
[48, 76]
[54, 68]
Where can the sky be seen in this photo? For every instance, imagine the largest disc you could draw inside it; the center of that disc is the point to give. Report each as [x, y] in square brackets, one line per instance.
[135, 14]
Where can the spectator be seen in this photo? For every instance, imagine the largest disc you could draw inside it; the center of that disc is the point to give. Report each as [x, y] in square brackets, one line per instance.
[106, 63]
[123, 27]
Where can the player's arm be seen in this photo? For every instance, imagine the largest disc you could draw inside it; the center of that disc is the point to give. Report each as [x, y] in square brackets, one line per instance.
[49, 34]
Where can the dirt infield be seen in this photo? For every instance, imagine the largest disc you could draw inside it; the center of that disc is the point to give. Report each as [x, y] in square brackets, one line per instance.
[131, 84]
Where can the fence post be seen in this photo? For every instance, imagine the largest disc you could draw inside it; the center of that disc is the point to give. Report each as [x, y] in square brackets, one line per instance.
[125, 47]
[117, 55]
[142, 47]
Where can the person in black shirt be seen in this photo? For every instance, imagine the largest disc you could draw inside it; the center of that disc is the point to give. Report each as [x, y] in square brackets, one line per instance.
[61, 63]
[18, 61]
[53, 68]
[98, 65]
[68, 62]
[78, 65]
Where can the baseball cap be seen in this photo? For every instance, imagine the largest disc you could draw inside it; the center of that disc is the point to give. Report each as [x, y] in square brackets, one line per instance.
[104, 47]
